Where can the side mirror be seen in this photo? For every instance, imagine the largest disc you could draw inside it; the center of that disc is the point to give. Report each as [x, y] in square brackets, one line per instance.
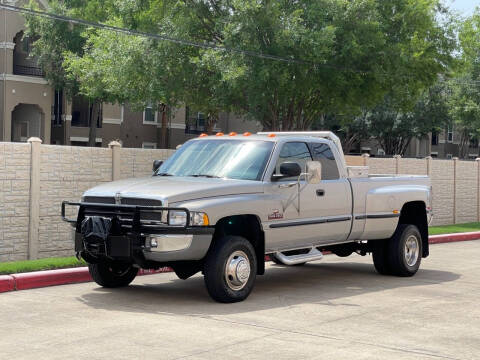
[157, 164]
[288, 169]
[314, 172]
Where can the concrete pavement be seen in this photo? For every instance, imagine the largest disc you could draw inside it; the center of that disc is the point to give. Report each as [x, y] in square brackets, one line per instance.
[332, 309]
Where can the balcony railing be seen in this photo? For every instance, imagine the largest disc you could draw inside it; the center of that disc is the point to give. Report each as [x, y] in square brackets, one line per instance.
[28, 70]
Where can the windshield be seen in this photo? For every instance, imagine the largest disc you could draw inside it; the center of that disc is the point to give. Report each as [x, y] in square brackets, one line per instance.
[233, 159]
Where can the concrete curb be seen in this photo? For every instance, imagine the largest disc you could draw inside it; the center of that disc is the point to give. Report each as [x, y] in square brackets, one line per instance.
[446, 238]
[40, 279]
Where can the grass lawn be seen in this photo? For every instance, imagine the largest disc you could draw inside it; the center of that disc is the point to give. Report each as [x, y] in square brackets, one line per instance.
[36, 265]
[457, 228]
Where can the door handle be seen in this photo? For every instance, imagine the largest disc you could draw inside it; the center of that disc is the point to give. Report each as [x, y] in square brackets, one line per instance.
[320, 192]
[284, 186]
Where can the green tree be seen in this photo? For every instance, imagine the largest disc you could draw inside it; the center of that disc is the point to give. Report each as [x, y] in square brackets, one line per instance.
[464, 102]
[316, 57]
[56, 41]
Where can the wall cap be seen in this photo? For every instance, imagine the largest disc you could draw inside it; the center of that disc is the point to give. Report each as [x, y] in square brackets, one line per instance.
[34, 140]
[114, 144]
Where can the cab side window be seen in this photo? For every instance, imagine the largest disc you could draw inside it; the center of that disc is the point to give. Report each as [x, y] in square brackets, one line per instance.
[293, 152]
[322, 152]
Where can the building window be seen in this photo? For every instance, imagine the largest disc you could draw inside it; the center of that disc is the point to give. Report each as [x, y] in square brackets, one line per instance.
[434, 138]
[149, 115]
[449, 156]
[450, 134]
[434, 154]
[195, 122]
[149, 145]
[473, 143]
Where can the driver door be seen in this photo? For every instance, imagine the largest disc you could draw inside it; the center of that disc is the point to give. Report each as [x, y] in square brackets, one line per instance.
[294, 221]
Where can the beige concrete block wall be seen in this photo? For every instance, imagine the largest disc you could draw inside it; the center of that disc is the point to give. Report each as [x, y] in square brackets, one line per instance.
[412, 166]
[381, 165]
[14, 200]
[466, 191]
[138, 162]
[442, 177]
[66, 172]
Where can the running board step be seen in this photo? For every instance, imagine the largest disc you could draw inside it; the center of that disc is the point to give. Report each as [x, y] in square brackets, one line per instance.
[312, 255]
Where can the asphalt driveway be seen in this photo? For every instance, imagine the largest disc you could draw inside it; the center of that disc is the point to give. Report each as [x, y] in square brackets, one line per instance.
[332, 309]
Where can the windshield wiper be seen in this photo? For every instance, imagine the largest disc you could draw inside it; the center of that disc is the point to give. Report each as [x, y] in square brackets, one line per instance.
[163, 174]
[206, 175]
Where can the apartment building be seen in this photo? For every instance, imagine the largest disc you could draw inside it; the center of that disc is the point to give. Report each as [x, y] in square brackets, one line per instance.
[30, 107]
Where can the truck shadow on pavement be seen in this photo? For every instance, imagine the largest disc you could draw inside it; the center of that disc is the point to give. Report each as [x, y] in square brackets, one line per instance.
[281, 286]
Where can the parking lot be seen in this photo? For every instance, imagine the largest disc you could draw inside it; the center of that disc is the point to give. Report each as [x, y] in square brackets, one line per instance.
[332, 309]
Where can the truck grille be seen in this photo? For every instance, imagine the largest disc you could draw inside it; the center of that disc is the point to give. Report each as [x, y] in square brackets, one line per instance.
[123, 201]
[99, 199]
[129, 201]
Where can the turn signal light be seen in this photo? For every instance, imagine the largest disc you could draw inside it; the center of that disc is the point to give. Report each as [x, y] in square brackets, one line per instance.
[220, 134]
[233, 133]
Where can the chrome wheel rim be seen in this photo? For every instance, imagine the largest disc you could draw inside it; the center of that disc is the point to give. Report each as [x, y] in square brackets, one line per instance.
[237, 270]
[412, 250]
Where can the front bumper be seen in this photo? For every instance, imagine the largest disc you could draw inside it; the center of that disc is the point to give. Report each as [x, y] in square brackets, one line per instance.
[135, 227]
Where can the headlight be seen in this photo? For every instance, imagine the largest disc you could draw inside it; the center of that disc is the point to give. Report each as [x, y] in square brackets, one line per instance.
[179, 218]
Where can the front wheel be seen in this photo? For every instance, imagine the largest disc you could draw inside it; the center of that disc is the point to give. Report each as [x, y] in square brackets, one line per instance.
[113, 274]
[230, 269]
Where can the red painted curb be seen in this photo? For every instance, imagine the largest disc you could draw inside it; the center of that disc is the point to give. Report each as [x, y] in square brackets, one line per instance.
[446, 238]
[77, 275]
[50, 278]
[7, 283]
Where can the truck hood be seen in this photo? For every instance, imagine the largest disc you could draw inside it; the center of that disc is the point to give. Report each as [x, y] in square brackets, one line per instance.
[175, 189]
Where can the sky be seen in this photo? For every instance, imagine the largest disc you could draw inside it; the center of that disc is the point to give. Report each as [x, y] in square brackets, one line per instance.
[466, 7]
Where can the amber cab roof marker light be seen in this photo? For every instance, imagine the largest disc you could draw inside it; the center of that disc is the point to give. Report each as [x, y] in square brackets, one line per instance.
[271, 135]
[219, 134]
[247, 133]
[233, 133]
[203, 135]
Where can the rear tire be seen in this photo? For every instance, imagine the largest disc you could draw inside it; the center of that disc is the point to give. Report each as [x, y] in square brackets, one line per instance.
[400, 255]
[380, 257]
[405, 250]
[112, 275]
[230, 269]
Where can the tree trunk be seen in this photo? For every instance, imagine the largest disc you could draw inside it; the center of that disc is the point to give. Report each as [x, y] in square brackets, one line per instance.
[94, 115]
[163, 129]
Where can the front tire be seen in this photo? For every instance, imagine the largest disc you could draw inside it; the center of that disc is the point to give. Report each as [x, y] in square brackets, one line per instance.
[112, 275]
[230, 269]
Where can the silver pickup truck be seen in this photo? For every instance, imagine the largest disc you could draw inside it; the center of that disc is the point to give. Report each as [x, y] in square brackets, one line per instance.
[221, 203]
